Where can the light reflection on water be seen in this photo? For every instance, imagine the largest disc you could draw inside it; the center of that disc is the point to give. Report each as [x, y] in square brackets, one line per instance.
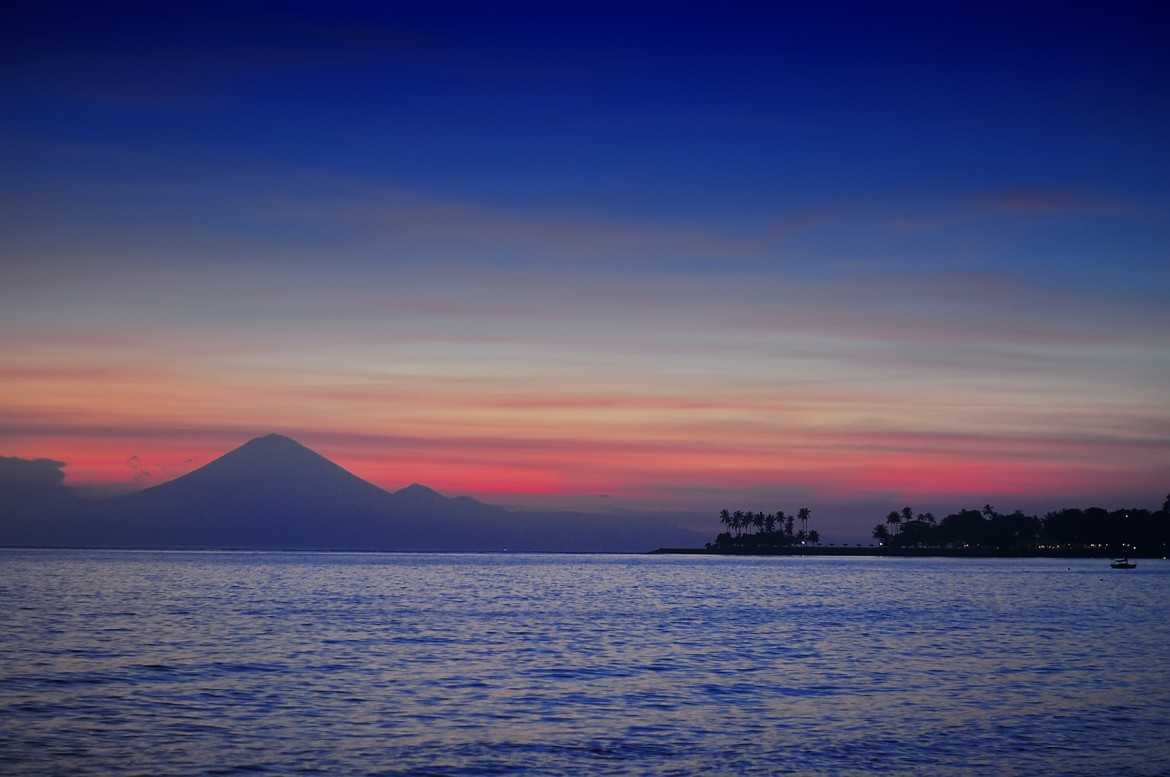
[176, 663]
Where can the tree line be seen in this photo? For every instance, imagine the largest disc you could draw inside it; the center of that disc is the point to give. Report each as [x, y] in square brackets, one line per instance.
[748, 530]
[1071, 530]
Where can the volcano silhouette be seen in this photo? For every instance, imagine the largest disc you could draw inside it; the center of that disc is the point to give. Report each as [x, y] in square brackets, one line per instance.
[270, 492]
[274, 493]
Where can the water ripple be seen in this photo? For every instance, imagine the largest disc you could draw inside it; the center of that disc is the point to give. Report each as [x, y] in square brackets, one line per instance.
[180, 663]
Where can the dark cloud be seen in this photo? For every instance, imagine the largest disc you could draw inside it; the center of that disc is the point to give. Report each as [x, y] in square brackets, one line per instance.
[35, 504]
[30, 476]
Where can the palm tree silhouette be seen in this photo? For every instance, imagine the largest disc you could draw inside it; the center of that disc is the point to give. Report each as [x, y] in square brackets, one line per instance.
[804, 513]
[894, 520]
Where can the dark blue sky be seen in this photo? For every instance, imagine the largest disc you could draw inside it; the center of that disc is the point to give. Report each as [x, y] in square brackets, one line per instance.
[735, 113]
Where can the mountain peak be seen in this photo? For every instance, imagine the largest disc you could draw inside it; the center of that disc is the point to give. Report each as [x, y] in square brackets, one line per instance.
[271, 467]
[272, 441]
[417, 490]
[273, 446]
[271, 458]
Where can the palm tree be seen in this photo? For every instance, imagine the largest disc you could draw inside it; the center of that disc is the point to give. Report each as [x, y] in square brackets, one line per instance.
[814, 537]
[737, 521]
[907, 515]
[725, 518]
[881, 533]
[804, 513]
[894, 520]
[770, 523]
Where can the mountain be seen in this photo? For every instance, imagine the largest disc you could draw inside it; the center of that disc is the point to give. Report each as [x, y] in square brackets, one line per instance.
[272, 492]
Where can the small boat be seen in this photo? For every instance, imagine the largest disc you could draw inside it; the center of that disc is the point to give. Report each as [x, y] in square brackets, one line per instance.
[1123, 563]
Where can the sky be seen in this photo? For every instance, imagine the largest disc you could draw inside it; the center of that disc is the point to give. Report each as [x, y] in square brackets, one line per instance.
[605, 260]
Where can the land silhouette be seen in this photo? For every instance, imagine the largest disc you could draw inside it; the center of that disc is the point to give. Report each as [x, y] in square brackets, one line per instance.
[1078, 531]
[1091, 531]
[274, 493]
[763, 532]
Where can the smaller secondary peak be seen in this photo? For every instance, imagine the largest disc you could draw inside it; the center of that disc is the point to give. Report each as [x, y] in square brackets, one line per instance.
[417, 489]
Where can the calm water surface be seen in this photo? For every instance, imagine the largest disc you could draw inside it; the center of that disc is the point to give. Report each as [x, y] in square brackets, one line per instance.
[181, 663]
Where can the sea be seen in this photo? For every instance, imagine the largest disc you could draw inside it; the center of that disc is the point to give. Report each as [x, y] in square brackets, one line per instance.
[181, 663]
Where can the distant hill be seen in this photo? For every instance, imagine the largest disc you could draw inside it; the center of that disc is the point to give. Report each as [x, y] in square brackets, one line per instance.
[272, 492]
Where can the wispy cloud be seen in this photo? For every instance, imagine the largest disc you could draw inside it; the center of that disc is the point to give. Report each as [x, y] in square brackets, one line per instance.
[1068, 202]
[1021, 203]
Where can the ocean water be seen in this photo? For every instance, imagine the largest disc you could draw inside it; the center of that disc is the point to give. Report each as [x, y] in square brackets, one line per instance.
[182, 663]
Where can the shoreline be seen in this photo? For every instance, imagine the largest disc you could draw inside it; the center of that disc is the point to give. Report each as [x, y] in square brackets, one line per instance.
[863, 551]
[901, 553]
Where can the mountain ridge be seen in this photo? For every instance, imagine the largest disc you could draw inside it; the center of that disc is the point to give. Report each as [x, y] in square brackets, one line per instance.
[272, 492]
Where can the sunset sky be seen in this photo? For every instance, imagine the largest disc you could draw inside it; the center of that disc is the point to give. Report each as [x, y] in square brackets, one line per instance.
[686, 262]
